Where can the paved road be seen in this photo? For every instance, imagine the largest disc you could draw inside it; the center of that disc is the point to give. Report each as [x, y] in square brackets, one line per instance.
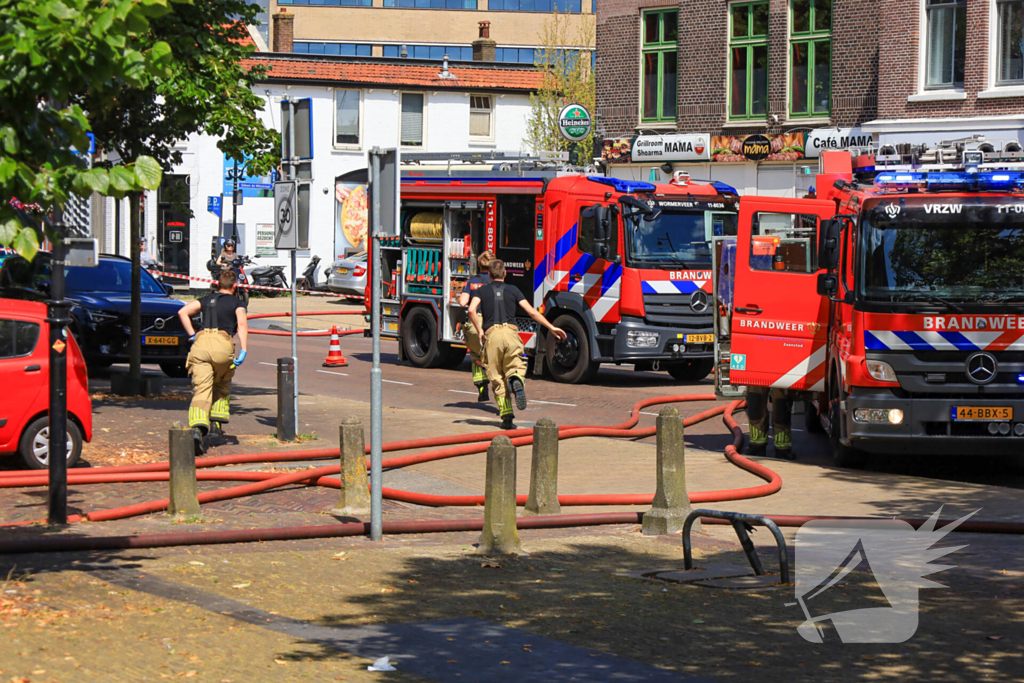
[606, 401]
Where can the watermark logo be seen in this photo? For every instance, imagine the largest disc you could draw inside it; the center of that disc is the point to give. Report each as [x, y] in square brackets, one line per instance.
[892, 551]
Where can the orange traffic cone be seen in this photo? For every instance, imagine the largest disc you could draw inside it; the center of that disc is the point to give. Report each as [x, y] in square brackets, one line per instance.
[334, 358]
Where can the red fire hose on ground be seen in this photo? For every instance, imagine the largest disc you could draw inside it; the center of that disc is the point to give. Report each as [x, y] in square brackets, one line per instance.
[470, 443]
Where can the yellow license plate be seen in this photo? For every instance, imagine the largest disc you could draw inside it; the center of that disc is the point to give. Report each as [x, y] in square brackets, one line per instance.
[698, 338]
[161, 341]
[982, 414]
[342, 271]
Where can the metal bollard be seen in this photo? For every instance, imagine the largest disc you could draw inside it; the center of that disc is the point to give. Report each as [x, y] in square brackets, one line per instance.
[285, 399]
[184, 499]
[354, 500]
[500, 535]
[671, 502]
[543, 498]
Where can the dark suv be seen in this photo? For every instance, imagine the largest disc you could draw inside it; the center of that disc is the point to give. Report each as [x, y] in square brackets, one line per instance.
[101, 299]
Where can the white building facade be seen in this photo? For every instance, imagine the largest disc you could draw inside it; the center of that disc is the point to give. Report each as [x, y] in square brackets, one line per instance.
[356, 105]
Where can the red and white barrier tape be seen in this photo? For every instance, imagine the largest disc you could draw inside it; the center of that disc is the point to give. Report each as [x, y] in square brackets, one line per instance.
[179, 276]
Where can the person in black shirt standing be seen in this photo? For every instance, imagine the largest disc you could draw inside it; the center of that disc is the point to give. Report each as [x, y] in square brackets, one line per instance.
[502, 348]
[469, 331]
[211, 361]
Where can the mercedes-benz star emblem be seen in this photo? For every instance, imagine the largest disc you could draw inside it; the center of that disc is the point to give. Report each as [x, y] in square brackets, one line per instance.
[699, 301]
[981, 368]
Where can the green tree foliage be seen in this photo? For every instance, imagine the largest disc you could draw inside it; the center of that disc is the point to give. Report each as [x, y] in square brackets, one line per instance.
[51, 51]
[564, 58]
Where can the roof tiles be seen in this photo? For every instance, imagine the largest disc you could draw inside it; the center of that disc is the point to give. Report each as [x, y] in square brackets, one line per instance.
[402, 74]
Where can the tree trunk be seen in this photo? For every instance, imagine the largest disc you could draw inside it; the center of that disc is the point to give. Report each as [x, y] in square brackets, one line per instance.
[134, 315]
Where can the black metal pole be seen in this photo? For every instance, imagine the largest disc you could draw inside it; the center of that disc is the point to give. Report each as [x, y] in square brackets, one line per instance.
[234, 208]
[57, 319]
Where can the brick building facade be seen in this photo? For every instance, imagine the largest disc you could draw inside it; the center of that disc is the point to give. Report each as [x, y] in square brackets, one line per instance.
[918, 102]
[683, 74]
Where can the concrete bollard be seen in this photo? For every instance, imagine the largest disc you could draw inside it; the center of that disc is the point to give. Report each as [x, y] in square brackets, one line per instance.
[671, 502]
[184, 499]
[500, 535]
[354, 500]
[543, 498]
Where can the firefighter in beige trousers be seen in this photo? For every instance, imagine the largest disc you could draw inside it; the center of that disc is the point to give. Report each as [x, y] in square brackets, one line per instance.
[481, 279]
[502, 348]
[211, 361]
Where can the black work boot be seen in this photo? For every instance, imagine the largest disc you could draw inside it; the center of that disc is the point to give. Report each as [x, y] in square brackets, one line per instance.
[216, 429]
[785, 453]
[506, 422]
[519, 391]
[757, 449]
[197, 441]
[483, 394]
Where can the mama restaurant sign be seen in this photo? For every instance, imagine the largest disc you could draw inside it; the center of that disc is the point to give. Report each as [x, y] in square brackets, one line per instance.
[671, 148]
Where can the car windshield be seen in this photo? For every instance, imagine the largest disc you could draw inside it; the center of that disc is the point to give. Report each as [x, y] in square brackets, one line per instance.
[676, 238]
[108, 276]
[942, 249]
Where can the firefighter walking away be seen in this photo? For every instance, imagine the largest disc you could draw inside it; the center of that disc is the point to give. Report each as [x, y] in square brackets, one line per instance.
[781, 419]
[211, 361]
[502, 348]
[472, 339]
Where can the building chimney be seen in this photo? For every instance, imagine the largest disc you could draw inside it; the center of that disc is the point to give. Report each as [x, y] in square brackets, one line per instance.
[284, 31]
[483, 47]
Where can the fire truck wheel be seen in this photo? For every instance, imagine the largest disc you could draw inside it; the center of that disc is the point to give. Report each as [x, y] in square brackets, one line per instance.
[453, 356]
[569, 360]
[691, 370]
[812, 421]
[419, 335]
[842, 456]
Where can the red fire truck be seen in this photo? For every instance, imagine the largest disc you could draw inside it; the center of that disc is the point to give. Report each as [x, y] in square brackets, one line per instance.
[623, 267]
[893, 302]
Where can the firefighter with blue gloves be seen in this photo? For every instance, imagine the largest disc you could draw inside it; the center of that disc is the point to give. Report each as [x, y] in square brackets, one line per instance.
[211, 360]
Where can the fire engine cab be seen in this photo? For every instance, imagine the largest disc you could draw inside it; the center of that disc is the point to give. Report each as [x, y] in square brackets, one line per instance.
[893, 302]
[623, 267]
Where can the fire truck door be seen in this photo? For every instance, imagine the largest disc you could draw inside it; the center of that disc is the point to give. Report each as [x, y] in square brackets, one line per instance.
[779, 322]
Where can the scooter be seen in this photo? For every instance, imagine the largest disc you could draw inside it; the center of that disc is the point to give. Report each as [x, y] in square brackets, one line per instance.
[269, 276]
[238, 266]
[308, 281]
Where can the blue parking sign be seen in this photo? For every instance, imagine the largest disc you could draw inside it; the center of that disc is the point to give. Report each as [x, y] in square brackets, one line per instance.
[213, 205]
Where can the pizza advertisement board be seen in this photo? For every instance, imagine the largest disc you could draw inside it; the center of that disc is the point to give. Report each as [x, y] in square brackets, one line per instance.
[747, 148]
[351, 217]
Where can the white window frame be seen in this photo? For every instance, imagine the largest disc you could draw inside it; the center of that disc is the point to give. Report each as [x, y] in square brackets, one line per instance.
[423, 133]
[494, 115]
[334, 119]
[929, 94]
[991, 89]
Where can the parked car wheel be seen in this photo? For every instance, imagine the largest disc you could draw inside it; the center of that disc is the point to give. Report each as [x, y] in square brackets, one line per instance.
[176, 370]
[35, 444]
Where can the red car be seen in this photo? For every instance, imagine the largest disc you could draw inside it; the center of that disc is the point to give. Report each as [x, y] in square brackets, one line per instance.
[24, 373]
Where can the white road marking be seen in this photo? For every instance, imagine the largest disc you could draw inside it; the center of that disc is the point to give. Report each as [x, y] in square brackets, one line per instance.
[552, 403]
[456, 391]
[273, 365]
[328, 372]
[391, 381]
[651, 414]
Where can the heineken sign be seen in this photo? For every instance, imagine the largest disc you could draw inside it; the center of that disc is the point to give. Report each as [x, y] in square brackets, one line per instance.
[574, 122]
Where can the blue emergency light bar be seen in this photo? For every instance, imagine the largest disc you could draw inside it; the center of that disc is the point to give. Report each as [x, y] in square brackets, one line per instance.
[624, 186]
[952, 181]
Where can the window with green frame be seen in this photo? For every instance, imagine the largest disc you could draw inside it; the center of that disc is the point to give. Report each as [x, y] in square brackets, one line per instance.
[748, 60]
[810, 92]
[660, 70]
